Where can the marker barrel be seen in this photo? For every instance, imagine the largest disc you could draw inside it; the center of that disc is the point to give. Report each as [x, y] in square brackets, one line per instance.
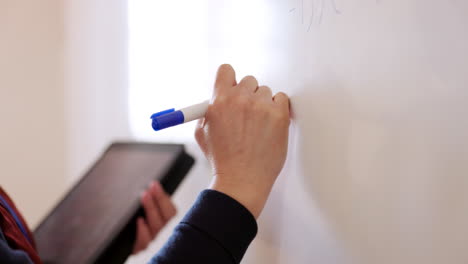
[195, 112]
[170, 117]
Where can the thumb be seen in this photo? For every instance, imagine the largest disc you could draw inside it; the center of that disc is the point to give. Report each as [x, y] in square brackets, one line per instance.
[200, 134]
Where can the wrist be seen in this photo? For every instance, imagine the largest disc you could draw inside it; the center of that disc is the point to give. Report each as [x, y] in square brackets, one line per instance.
[251, 196]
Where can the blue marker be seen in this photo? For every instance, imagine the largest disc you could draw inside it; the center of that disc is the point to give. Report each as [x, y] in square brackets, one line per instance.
[170, 117]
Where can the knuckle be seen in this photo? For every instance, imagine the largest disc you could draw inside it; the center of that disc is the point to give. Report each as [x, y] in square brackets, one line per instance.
[249, 80]
[281, 96]
[267, 88]
[225, 67]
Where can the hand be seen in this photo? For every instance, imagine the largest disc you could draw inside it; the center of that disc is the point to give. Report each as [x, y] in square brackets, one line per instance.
[159, 209]
[244, 136]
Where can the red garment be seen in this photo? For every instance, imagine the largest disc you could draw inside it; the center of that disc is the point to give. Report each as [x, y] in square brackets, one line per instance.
[13, 234]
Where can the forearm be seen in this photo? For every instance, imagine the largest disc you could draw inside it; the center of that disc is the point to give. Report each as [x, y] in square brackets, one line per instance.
[217, 229]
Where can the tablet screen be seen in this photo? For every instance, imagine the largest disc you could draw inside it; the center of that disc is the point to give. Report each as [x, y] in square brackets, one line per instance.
[102, 202]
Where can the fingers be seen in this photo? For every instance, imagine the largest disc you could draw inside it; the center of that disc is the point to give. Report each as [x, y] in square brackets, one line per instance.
[249, 84]
[225, 78]
[265, 93]
[281, 99]
[153, 216]
[163, 201]
[159, 209]
[143, 236]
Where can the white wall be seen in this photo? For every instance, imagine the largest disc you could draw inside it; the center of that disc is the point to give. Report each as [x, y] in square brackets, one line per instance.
[32, 134]
[63, 77]
[96, 103]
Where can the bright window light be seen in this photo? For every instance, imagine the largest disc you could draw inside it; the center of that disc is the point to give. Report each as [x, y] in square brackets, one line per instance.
[175, 48]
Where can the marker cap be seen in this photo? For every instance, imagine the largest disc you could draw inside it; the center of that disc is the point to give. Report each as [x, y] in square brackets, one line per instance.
[167, 119]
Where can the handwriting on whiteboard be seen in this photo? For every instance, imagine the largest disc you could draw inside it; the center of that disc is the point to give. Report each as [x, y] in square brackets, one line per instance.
[311, 12]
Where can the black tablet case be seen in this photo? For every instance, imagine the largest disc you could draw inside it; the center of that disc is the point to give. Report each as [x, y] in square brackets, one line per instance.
[96, 221]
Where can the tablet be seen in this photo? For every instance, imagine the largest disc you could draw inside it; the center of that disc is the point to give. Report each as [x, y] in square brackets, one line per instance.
[96, 221]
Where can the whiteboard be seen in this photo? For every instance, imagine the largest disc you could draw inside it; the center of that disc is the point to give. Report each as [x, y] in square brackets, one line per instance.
[378, 163]
[378, 157]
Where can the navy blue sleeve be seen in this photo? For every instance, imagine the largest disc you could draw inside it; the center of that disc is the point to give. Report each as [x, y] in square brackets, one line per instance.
[217, 229]
[11, 256]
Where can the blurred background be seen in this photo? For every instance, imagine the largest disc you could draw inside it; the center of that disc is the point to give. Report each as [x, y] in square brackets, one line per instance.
[76, 75]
